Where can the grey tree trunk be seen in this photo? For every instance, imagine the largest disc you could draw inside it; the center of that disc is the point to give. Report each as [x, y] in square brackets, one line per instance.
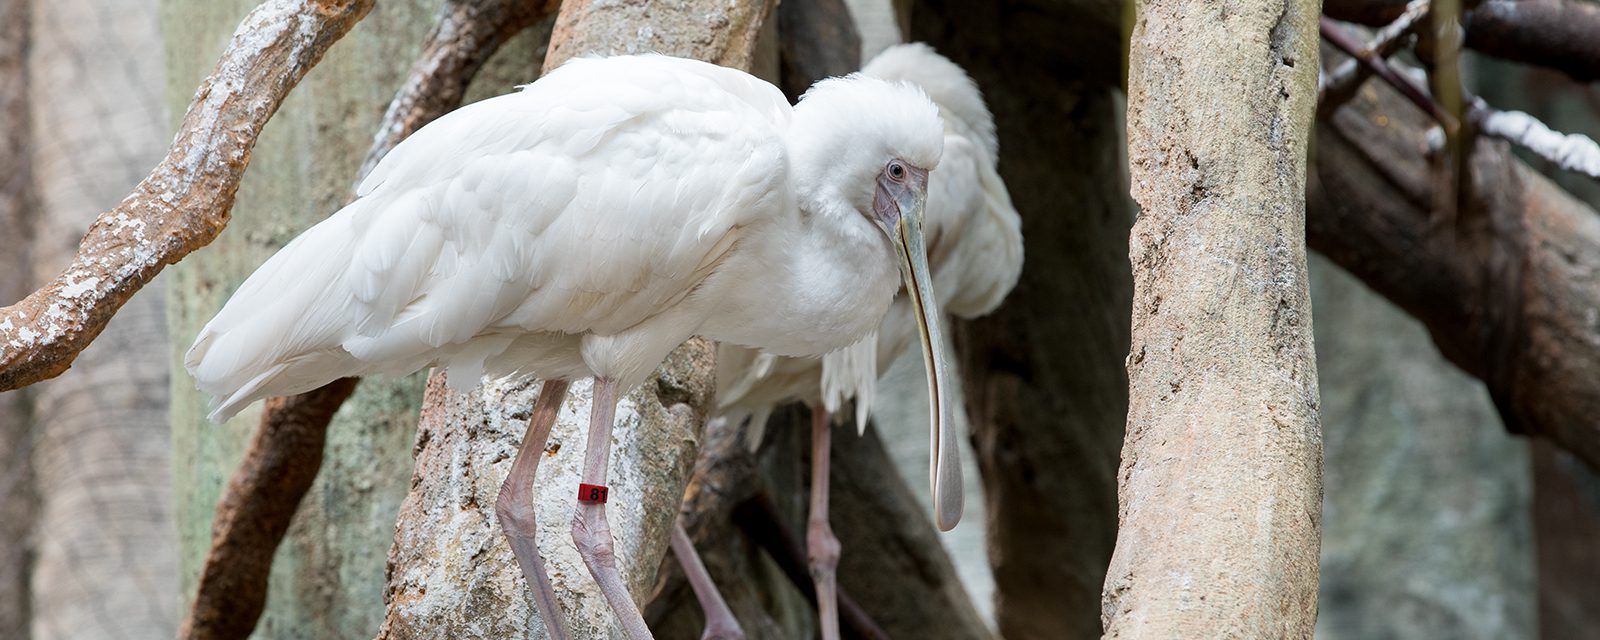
[105, 563]
[1426, 519]
[17, 499]
[448, 547]
[1221, 477]
[327, 580]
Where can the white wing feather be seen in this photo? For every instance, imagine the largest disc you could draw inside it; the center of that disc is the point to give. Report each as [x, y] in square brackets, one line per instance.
[581, 204]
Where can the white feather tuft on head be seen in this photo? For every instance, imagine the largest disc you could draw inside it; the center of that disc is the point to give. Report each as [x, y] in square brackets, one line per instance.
[958, 97]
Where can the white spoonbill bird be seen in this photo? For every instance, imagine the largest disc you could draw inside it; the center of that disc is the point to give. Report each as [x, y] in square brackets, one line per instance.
[585, 226]
[975, 249]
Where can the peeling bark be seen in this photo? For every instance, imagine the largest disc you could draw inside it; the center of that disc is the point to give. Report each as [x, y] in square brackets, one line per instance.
[447, 544]
[1221, 484]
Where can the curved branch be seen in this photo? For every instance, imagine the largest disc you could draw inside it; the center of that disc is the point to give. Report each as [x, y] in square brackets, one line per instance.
[186, 201]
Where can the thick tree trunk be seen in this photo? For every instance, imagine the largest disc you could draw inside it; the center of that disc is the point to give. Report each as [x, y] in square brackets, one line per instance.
[105, 562]
[327, 578]
[448, 543]
[17, 499]
[1045, 385]
[1426, 522]
[1221, 481]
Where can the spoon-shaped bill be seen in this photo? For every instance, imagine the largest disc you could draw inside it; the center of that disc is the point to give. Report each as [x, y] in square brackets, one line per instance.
[944, 460]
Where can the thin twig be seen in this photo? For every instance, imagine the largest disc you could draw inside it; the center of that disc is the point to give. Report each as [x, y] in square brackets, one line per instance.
[1380, 66]
[1341, 83]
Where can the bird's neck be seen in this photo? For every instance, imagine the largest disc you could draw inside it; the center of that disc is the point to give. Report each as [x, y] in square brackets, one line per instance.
[833, 278]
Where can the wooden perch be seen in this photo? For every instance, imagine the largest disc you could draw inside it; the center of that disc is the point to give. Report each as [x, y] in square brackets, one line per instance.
[262, 496]
[186, 201]
[1508, 289]
[1559, 34]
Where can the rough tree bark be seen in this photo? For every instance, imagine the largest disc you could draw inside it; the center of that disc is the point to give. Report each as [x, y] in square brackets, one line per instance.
[448, 548]
[327, 578]
[1220, 484]
[105, 562]
[1045, 385]
[17, 500]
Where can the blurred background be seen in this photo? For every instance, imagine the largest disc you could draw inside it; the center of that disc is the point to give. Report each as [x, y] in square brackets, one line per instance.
[1437, 523]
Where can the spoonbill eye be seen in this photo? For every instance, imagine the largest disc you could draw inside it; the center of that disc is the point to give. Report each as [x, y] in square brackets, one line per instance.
[897, 170]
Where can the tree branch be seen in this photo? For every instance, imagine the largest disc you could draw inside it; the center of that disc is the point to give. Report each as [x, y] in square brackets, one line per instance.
[1508, 290]
[185, 202]
[1380, 66]
[233, 582]
[1343, 80]
[1558, 34]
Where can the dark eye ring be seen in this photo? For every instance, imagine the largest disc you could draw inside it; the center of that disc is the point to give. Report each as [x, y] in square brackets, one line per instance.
[897, 171]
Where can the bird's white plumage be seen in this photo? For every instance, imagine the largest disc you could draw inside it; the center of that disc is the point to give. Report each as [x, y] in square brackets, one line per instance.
[574, 228]
[974, 246]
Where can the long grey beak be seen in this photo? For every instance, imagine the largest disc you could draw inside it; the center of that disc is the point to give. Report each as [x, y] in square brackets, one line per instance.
[944, 458]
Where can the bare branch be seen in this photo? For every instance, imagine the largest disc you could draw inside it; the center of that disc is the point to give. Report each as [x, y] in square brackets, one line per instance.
[1343, 80]
[1558, 34]
[1571, 151]
[1380, 66]
[186, 200]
